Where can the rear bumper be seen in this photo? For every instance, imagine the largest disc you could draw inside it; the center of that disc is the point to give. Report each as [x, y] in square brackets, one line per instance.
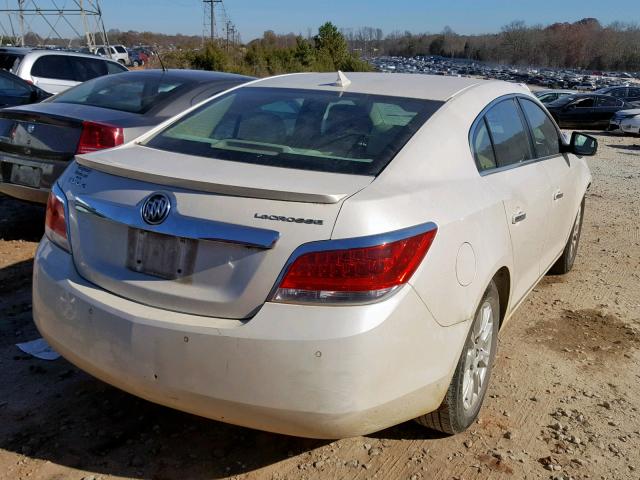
[37, 192]
[624, 126]
[324, 372]
[28, 194]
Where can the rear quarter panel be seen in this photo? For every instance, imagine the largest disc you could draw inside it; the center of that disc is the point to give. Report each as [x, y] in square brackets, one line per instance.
[434, 178]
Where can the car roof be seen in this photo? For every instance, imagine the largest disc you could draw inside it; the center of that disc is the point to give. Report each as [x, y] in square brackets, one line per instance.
[20, 50]
[199, 76]
[44, 51]
[428, 87]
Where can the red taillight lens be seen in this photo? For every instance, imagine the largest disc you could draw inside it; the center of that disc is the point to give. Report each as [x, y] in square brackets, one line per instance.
[355, 274]
[98, 136]
[55, 223]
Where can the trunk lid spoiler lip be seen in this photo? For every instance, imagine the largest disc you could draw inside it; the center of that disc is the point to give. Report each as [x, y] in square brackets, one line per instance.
[40, 117]
[180, 225]
[128, 171]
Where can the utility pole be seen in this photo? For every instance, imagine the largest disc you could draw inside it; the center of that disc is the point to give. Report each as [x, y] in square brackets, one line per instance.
[210, 8]
[21, 19]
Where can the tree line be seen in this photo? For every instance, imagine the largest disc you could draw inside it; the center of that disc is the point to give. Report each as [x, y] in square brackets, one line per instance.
[272, 55]
[585, 44]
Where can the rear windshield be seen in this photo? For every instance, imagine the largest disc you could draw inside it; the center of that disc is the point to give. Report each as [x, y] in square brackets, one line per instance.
[124, 93]
[326, 131]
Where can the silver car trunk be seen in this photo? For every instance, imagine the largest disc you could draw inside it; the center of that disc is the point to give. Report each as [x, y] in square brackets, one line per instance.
[228, 235]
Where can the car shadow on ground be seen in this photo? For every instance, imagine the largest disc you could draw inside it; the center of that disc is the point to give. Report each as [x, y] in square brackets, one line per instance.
[21, 220]
[59, 414]
[76, 421]
[634, 148]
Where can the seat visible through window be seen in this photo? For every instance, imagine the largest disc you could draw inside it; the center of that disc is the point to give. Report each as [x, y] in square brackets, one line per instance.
[262, 127]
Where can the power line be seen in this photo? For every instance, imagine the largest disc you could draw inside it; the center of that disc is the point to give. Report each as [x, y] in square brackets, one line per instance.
[82, 19]
[217, 23]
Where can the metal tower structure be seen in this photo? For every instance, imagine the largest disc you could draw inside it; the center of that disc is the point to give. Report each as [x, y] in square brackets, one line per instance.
[217, 24]
[210, 18]
[66, 22]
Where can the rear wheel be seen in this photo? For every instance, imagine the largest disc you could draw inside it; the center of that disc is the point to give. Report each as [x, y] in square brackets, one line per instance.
[468, 386]
[565, 263]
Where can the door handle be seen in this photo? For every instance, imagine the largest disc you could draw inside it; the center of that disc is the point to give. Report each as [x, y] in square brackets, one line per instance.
[518, 217]
[558, 195]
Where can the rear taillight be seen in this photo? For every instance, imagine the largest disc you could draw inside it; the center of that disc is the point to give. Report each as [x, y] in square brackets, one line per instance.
[362, 273]
[98, 136]
[55, 223]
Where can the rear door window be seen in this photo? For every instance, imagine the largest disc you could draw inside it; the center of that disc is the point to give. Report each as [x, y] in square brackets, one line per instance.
[618, 92]
[120, 49]
[53, 66]
[633, 92]
[587, 102]
[545, 136]
[87, 68]
[482, 147]
[510, 137]
[607, 102]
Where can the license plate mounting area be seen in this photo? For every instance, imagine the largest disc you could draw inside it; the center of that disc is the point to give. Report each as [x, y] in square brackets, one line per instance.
[159, 255]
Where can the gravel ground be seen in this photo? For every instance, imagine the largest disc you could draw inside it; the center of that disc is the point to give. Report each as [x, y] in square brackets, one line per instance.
[563, 402]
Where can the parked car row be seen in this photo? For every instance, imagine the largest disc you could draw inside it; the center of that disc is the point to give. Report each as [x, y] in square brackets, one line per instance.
[265, 237]
[613, 109]
[609, 92]
[545, 77]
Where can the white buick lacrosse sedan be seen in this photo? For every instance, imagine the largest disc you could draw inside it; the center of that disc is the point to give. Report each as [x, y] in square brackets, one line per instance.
[313, 256]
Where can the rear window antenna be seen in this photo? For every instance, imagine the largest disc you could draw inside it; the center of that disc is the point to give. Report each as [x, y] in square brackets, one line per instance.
[161, 62]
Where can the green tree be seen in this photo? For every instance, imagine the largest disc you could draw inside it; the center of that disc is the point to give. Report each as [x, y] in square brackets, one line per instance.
[304, 52]
[211, 57]
[331, 42]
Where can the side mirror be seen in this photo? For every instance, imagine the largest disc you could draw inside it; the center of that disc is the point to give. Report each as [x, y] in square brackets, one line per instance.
[581, 144]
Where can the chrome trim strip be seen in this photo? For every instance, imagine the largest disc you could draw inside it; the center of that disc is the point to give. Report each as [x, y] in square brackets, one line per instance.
[347, 243]
[180, 225]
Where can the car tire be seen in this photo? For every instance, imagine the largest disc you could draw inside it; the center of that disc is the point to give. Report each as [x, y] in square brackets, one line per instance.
[468, 386]
[122, 62]
[565, 263]
[135, 63]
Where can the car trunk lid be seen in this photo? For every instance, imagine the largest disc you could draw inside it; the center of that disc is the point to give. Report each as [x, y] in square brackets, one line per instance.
[51, 131]
[227, 237]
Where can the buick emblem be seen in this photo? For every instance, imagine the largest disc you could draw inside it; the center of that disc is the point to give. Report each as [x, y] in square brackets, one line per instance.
[155, 208]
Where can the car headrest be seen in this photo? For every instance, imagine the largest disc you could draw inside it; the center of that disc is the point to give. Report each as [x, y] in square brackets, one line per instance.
[351, 118]
[262, 127]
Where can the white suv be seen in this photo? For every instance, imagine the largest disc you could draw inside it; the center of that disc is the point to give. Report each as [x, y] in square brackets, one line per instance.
[55, 71]
[118, 53]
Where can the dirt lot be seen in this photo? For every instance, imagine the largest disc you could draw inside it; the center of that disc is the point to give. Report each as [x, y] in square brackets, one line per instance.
[563, 403]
